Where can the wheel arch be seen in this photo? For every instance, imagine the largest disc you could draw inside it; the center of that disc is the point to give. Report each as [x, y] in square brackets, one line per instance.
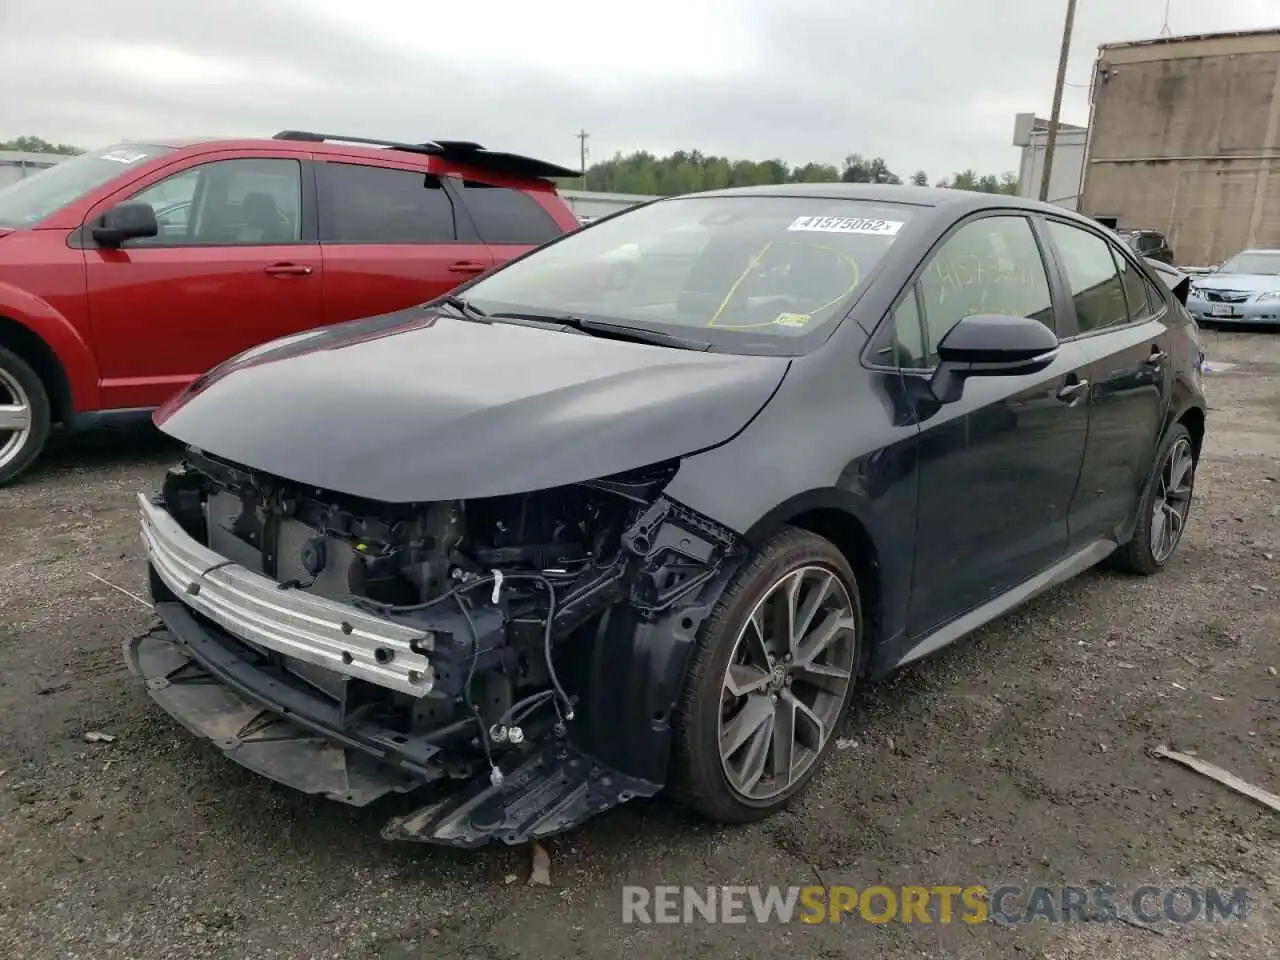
[835, 515]
[1193, 419]
[32, 348]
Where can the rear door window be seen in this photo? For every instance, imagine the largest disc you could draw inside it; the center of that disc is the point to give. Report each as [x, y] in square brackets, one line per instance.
[1137, 291]
[367, 204]
[504, 215]
[1096, 287]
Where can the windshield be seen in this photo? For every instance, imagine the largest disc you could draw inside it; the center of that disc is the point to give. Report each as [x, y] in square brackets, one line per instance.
[1254, 261]
[33, 198]
[745, 273]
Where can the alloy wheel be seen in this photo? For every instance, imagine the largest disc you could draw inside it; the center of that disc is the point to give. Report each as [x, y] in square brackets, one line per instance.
[1172, 501]
[15, 417]
[788, 677]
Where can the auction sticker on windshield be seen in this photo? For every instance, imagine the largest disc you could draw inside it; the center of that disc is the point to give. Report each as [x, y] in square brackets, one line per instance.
[865, 225]
[793, 319]
[124, 156]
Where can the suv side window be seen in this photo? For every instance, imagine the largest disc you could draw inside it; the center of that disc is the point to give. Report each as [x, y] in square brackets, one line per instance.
[384, 205]
[1096, 286]
[990, 265]
[246, 202]
[503, 215]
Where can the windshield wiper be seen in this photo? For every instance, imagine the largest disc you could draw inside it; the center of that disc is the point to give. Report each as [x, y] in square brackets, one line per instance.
[462, 307]
[607, 328]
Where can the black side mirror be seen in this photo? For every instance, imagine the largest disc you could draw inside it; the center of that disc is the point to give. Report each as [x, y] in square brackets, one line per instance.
[991, 345]
[128, 221]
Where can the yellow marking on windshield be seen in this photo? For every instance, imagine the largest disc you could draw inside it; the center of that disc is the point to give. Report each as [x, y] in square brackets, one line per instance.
[779, 321]
[751, 263]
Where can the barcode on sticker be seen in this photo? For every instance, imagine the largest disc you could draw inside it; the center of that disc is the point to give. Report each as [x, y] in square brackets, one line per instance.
[884, 228]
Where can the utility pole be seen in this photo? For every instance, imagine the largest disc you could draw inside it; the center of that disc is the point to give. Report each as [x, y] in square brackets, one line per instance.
[582, 145]
[1051, 140]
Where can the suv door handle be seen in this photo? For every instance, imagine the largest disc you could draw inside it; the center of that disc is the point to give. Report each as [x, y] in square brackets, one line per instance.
[1071, 392]
[288, 270]
[1157, 357]
[468, 266]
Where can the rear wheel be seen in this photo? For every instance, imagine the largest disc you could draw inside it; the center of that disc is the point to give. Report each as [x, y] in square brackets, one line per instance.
[24, 415]
[770, 681]
[1163, 514]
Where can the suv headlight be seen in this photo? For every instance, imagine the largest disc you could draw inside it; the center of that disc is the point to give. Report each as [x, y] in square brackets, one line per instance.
[1269, 297]
[1194, 293]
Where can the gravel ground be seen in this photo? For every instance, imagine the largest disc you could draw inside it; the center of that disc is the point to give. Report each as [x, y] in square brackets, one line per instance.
[1020, 754]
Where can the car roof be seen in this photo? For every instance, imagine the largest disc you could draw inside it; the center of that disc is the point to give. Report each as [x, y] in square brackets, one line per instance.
[889, 193]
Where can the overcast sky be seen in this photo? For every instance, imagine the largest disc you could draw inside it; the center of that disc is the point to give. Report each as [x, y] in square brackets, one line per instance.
[930, 84]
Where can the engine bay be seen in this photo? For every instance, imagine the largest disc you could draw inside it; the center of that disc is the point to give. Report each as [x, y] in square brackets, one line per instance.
[505, 591]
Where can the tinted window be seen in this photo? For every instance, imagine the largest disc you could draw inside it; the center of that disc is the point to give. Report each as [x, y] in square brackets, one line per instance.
[1096, 286]
[246, 202]
[745, 273]
[502, 215]
[1137, 291]
[381, 205]
[992, 265]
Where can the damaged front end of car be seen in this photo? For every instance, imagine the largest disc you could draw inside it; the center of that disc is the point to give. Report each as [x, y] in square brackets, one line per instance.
[517, 657]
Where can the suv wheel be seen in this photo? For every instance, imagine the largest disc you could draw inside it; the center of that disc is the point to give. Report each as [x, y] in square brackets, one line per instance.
[769, 682]
[1164, 509]
[24, 415]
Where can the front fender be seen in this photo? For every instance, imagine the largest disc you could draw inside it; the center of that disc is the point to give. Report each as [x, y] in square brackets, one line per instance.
[69, 348]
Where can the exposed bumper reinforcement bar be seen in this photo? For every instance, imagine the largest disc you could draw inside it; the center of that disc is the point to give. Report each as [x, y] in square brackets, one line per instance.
[323, 632]
[295, 737]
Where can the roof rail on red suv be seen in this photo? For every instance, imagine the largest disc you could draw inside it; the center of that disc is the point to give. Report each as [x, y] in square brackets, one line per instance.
[458, 151]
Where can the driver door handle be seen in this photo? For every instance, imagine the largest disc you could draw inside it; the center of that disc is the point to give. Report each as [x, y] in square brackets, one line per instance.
[1072, 392]
[288, 270]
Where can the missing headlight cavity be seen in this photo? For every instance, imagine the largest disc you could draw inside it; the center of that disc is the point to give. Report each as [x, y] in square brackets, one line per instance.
[515, 603]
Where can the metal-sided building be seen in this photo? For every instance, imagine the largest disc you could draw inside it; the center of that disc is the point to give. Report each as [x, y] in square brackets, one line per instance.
[15, 165]
[590, 205]
[1184, 137]
[1031, 133]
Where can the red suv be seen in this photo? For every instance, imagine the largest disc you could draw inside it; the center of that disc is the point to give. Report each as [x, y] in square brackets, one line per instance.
[129, 271]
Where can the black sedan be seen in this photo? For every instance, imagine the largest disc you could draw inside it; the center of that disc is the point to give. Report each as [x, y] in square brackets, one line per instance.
[638, 510]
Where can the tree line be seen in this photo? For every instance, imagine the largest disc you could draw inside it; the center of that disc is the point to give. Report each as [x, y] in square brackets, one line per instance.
[688, 171]
[38, 145]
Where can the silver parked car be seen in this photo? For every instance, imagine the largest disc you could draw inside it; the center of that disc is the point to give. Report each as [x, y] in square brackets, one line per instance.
[1244, 289]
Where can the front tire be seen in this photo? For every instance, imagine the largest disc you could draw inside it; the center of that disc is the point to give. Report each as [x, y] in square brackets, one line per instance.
[769, 682]
[25, 415]
[1165, 507]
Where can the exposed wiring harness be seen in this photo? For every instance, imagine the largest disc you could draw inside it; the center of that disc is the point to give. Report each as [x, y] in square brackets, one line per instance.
[497, 579]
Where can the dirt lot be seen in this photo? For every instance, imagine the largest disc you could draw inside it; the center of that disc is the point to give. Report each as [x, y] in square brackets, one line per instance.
[1020, 755]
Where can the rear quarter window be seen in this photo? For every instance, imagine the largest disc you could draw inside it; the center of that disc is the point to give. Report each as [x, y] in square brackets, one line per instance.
[504, 215]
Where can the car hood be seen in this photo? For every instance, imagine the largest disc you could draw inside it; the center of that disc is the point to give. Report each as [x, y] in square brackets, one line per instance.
[418, 407]
[1251, 282]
